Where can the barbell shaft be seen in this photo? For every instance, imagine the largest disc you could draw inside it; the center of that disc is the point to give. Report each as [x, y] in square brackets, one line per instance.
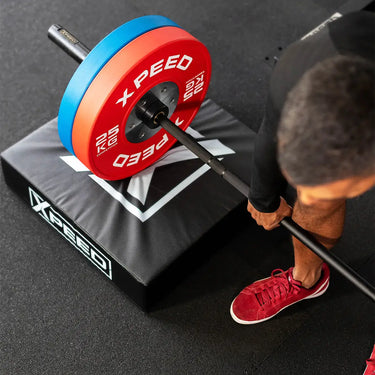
[189, 142]
[72, 46]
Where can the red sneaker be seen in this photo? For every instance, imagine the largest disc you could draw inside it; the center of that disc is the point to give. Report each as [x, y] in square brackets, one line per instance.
[370, 364]
[265, 298]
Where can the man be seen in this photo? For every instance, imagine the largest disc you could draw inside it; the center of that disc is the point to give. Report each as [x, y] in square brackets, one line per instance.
[318, 134]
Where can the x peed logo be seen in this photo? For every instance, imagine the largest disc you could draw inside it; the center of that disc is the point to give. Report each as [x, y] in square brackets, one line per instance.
[76, 238]
[139, 184]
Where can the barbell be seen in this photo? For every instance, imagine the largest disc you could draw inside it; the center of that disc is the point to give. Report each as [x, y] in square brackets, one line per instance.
[134, 95]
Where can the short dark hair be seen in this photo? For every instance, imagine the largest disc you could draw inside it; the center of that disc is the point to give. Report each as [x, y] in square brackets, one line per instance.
[327, 129]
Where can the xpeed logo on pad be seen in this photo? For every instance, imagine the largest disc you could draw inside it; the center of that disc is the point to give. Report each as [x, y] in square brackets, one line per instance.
[44, 209]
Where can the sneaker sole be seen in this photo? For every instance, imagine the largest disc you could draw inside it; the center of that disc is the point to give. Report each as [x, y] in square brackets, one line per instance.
[318, 293]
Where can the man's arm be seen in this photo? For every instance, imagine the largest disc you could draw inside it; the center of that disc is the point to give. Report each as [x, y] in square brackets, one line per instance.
[267, 182]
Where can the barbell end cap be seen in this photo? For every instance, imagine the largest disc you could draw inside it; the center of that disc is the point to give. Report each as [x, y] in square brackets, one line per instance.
[149, 109]
[68, 42]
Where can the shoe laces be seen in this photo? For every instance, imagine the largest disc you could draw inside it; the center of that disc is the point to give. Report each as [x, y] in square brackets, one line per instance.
[278, 287]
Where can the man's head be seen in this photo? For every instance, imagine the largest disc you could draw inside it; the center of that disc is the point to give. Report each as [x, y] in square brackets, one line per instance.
[326, 135]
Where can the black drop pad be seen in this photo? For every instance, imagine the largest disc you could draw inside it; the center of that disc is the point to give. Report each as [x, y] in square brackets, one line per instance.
[146, 231]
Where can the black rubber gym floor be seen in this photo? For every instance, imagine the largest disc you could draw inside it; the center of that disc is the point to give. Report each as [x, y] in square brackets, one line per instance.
[58, 315]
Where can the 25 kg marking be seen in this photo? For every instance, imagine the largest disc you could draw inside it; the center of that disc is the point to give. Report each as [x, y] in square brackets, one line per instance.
[107, 140]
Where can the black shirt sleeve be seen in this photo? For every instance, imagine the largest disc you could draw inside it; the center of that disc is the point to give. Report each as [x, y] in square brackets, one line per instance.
[267, 182]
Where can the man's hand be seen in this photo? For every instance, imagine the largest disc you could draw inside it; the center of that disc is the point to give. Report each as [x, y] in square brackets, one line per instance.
[271, 220]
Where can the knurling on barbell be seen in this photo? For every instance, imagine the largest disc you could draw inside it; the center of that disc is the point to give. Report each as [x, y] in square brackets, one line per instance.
[159, 117]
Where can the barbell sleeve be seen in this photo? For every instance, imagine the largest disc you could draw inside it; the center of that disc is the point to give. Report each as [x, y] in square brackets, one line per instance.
[68, 42]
